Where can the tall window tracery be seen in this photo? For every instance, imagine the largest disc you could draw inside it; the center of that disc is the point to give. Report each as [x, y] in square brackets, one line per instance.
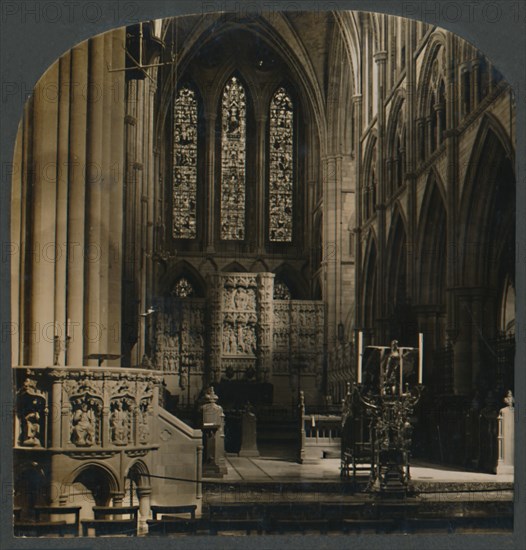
[233, 161]
[281, 167]
[185, 165]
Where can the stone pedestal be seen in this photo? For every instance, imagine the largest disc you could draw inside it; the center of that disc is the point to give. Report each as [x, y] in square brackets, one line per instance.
[249, 446]
[212, 425]
[505, 464]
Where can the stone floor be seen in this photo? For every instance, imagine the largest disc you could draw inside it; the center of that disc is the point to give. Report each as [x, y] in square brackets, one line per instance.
[280, 469]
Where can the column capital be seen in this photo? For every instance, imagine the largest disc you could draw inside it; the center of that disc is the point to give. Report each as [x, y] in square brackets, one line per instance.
[380, 57]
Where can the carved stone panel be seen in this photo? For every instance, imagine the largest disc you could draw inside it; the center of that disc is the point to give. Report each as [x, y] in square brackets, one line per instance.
[179, 332]
[86, 414]
[121, 420]
[31, 413]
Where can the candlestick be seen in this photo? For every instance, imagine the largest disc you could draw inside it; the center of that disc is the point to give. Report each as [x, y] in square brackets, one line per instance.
[360, 353]
[420, 356]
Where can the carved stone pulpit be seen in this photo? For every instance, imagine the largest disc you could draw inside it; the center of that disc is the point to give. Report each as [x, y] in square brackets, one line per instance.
[212, 425]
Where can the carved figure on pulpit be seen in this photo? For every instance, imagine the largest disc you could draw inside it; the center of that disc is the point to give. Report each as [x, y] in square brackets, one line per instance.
[145, 413]
[119, 425]
[32, 429]
[83, 422]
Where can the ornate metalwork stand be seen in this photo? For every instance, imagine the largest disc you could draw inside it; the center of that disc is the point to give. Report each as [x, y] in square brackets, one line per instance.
[390, 430]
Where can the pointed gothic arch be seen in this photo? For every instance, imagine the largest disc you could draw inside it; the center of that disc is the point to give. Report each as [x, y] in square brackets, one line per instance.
[369, 181]
[432, 246]
[183, 270]
[369, 302]
[487, 204]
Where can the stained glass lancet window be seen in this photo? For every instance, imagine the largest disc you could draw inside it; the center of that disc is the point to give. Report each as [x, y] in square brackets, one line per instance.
[233, 161]
[185, 165]
[281, 167]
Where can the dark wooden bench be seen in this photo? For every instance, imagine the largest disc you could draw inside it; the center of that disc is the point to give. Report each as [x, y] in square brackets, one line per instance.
[39, 529]
[102, 524]
[173, 511]
[105, 527]
[71, 528]
[164, 526]
[171, 520]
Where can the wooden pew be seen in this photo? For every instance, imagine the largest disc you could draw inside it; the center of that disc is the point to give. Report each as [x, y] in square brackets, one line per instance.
[103, 525]
[70, 528]
[40, 529]
[171, 520]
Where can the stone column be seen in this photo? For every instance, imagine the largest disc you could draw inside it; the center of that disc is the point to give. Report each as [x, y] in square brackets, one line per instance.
[94, 196]
[62, 206]
[116, 191]
[475, 69]
[429, 135]
[117, 498]
[261, 183]
[439, 109]
[358, 316]
[105, 427]
[199, 472]
[380, 59]
[216, 327]
[144, 494]
[414, 138]
[55, 416]
[76, 204]
[420, 128]
[210, 218]
[332, 201]
[43, 235]
[65, 419]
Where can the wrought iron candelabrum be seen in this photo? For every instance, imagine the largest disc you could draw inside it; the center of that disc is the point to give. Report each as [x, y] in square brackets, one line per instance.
[389, 417]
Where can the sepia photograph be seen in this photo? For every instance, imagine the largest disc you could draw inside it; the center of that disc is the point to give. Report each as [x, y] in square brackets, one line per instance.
[262, 280]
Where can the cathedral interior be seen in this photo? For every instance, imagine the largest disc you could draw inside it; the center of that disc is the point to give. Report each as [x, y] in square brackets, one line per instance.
[228, 202]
